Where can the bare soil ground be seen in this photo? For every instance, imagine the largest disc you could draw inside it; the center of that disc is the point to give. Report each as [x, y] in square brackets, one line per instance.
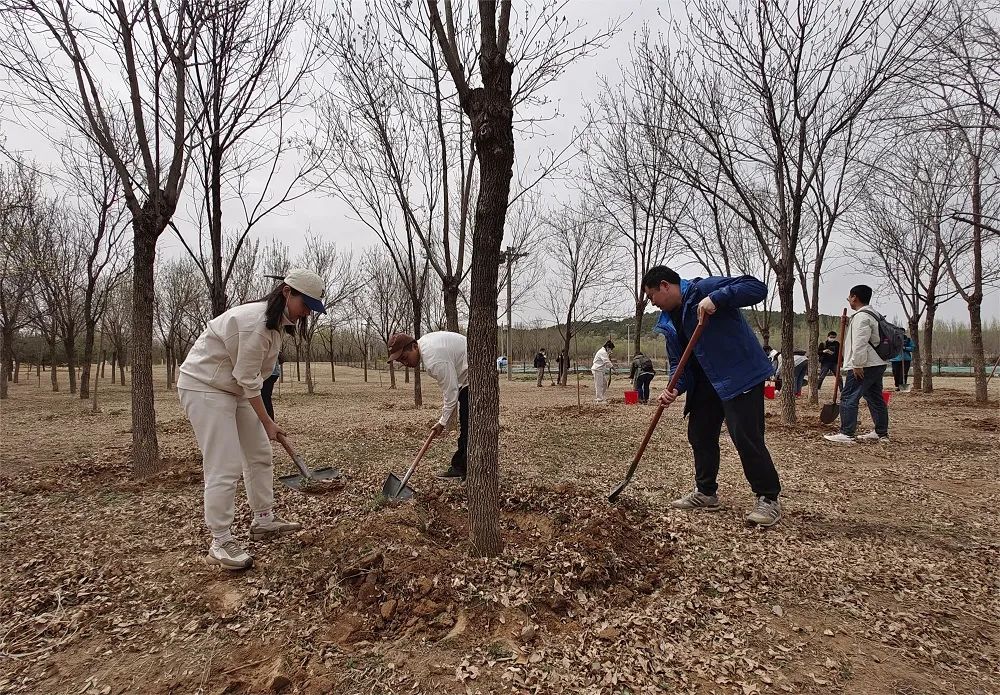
[884, 576]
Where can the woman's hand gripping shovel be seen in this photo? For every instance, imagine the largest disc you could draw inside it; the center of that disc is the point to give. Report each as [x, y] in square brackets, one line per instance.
[306, 479]
[396, 490]
[831, 411]
[618, 489]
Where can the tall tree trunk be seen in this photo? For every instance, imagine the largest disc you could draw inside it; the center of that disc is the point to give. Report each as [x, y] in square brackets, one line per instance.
[364, 364]
[812, 319]
[6, 348]
[418, 396]
[978, 351]
[451, 292]
[406, 375]
[913, 326]
[17, 369]
[218, 289]
[392, 375]
[89, 331]
[928, 349]
[104, 359]
[310, 387]
[786, 290]
[640, 312]
[54, 372]
[114, 356]
[145, 447]
[69, 343]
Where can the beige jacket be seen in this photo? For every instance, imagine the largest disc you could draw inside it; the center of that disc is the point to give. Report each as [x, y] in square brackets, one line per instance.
[233, 353]
[859, 351]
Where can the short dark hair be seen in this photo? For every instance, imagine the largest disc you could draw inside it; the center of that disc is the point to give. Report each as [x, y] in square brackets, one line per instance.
[833, 333]
[660, 273]
[862, 292]
[609, 345]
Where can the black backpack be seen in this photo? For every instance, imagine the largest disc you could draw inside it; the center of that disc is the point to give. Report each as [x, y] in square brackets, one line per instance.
[539, 360]
[890, 336]
[646, 366]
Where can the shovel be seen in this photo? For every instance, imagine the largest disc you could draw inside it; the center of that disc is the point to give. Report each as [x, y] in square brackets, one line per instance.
[397, 490]
[305, 477]
[675, 377]
[831, 411]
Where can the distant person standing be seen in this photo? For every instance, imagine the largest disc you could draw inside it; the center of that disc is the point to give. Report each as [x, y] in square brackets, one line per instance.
[901, 365]
[501, 363]
[540, 363]
[800, 367]
[828, 353]
[642, 373]
[601, 370]
[864, 370]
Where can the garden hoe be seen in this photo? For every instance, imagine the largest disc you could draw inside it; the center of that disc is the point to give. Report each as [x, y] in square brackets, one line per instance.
[618, 489]
[831, 411]
[307, 479]
[396, 490]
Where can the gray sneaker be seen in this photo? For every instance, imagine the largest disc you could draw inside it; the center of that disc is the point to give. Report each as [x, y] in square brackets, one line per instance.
[259, 530]
[697, 500]
[230, 555]
[765, 513]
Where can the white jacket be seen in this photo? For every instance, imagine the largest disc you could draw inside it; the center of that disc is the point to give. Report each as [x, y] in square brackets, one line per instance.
[445, 357]
[233, 353]
[859, 351]
[602, 362]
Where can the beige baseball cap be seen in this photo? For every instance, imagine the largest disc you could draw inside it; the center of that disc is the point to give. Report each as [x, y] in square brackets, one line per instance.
[309, 285]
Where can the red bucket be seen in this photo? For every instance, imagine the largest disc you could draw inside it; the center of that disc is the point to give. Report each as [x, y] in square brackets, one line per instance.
[887, 396]
[769, 391]
[631, 397]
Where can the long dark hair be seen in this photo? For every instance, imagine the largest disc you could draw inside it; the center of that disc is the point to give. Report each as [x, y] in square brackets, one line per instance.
[276, 309]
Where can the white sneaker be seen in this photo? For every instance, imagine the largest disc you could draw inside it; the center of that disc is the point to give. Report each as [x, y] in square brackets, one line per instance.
[839, 438]
[870, 437]
[277, 526]
[230, 555]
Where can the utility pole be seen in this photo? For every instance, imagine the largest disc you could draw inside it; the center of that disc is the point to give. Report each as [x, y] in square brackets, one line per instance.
[508, 257]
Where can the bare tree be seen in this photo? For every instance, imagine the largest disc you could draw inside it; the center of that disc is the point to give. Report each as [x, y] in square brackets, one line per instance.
[578, 287]
[120, 79]
[764, 89]
[252, 70]
[100, 226]
[386, 302]
[627, 173]
[178, 294]
[963, 97]
[21, 210]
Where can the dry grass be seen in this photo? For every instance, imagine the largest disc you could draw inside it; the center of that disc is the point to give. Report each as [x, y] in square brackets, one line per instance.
[881, 579]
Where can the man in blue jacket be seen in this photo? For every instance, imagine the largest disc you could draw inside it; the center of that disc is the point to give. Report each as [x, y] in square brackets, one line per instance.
[723, 380]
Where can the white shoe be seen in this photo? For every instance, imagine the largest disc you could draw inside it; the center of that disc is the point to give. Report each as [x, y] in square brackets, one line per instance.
[765, 513]
[230, 555]
[277, 526]
[870, 437]
[839, 438]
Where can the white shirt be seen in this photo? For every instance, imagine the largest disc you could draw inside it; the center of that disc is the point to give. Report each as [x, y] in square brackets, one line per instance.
[861, 332]
[233, 353]
[602, 362]
[445, 357]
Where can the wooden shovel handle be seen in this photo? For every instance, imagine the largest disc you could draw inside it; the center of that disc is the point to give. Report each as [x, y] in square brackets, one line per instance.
[283, 440]
[413, 466]
[840, 355]
[674, 378]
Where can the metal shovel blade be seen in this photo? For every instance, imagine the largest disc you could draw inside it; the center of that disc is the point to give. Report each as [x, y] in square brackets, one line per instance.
[394, 490]
[620, 487]
[829, 413]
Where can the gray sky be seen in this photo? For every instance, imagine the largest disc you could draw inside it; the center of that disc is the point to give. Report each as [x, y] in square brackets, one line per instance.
[319, 214]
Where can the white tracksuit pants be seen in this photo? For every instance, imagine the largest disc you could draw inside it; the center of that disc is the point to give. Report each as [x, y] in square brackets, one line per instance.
[600, 384]
[233, 443]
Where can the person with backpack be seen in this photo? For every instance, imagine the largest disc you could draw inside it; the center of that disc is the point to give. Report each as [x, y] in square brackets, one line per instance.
[901, 364]
[828, 352]
[642, 373]
[540, 363]
[864, 368]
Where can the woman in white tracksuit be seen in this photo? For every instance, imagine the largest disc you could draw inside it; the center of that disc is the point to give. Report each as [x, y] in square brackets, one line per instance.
[219, 388]
[601, 369]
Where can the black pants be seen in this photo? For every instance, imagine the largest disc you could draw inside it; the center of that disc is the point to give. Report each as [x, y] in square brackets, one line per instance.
[824, 369]
[265, 394]
[900, 372]
[642, 382]
[460, 460]
[744, 416]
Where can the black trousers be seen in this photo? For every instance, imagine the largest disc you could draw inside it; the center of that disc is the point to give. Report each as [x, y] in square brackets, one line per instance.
[744, 417]
[460, 459]
[265, 394]
[900, 372]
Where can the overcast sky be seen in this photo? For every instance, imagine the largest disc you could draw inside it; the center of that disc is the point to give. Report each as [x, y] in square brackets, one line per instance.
[322, 215]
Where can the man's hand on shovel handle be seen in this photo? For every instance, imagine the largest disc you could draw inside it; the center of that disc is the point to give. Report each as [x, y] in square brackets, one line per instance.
[437, 429]
[706, 307]
[668, 397]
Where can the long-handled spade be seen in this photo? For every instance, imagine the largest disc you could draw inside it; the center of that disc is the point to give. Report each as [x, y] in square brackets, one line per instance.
[831, 411]
[395, 489]
[675, 377]
[305, 477]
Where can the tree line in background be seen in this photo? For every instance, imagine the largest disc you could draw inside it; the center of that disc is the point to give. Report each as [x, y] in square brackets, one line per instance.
[786, 140]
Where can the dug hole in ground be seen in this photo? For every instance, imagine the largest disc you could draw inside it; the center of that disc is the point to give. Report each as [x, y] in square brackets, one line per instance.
[881, 578]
